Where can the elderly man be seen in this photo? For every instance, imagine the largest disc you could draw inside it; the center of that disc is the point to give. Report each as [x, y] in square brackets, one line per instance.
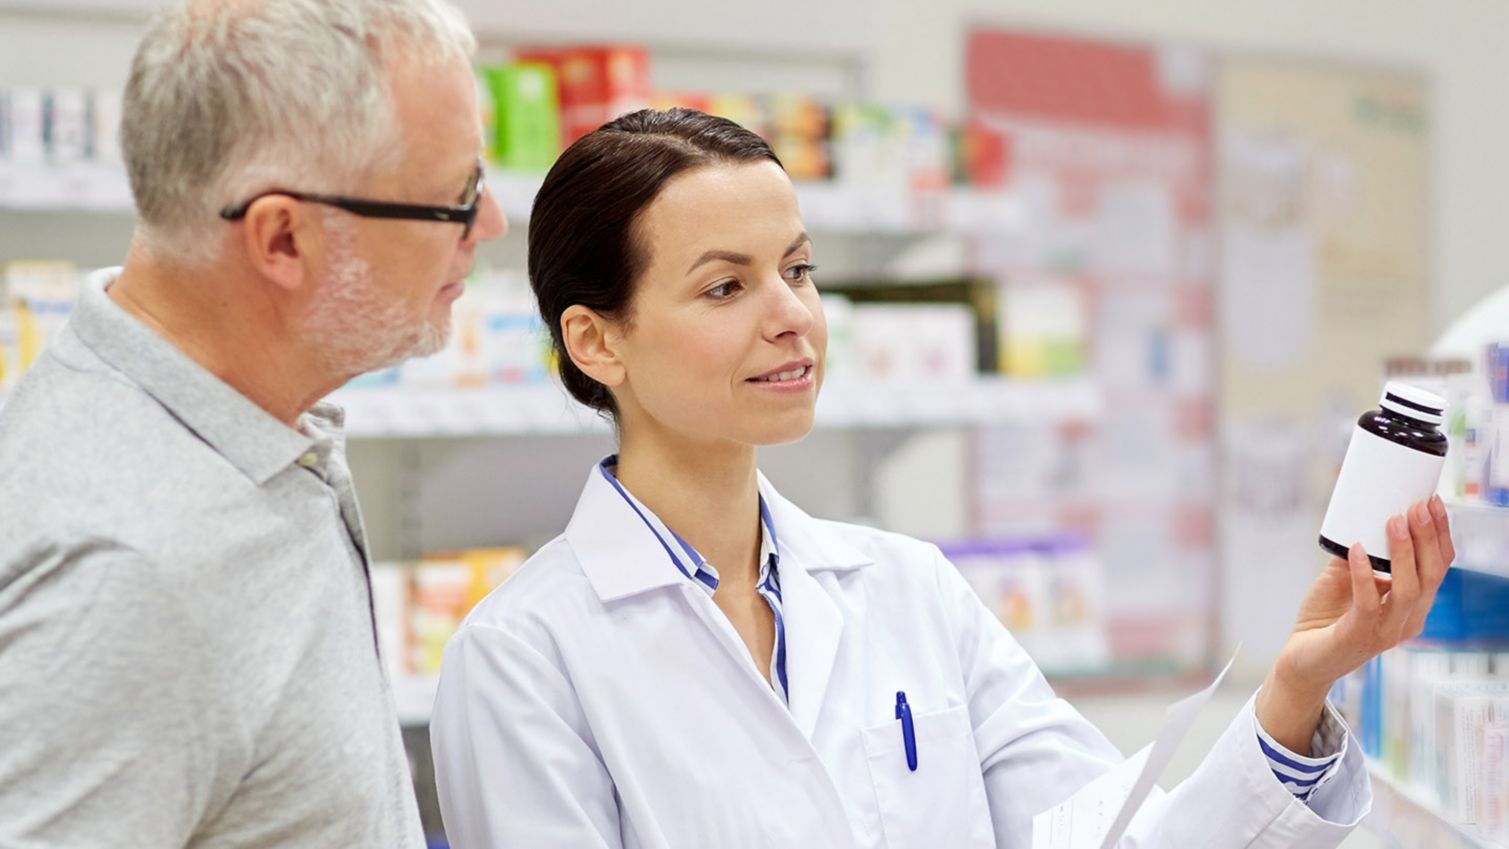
[187, 654]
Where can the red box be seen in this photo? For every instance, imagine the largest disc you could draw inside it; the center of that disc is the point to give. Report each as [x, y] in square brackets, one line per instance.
[597, 83]
[987, 156]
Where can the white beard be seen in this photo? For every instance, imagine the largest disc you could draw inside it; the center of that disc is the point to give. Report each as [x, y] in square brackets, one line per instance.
[353, 326]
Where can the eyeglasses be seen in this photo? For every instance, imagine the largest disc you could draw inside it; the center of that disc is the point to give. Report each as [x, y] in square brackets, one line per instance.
[465, 214]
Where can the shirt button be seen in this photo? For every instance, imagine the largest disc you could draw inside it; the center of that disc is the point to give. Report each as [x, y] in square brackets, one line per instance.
[308, 459]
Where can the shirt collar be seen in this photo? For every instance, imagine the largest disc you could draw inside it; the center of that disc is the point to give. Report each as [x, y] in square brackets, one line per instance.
[678, 551]
[622, 557]
[249, 437]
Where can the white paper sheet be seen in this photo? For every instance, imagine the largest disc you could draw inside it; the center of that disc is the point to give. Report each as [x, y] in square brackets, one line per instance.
[1098, 815]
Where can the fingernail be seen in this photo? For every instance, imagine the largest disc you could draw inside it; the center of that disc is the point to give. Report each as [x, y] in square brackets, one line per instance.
[1437, 507]
[1397, 528]
[1422, 516]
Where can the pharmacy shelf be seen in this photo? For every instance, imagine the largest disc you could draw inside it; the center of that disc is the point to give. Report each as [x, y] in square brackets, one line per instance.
[1404, 817]
[409, 413]
[839, 207]
[81, 187]
[829, 207]
[1481, 534]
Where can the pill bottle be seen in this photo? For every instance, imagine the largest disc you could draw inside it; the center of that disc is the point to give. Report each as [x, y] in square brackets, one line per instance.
[1394, 460]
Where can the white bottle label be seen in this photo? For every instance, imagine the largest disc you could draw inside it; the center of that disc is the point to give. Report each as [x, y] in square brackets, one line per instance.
[1379, 479]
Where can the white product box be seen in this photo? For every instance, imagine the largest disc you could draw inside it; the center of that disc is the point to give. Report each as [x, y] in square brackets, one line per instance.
[67, 126]
[914, 342]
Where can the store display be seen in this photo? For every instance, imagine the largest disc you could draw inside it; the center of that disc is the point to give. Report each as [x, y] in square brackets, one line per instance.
[59, 148]
[1394, 460]
[59, 127]
[1434, 716]
[887, 168]
[1108, 274]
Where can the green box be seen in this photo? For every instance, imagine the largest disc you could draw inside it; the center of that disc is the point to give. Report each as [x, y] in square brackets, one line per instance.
[528, 115]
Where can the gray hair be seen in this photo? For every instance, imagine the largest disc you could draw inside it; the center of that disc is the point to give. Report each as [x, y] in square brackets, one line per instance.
[231, 97]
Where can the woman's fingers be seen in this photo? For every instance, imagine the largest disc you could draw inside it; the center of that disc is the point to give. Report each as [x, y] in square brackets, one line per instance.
[1433, 555]
[1365, 598]
[1400, 601]
[1443, 533]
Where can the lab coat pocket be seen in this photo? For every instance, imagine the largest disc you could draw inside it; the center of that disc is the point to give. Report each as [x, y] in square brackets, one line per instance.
[942, 803]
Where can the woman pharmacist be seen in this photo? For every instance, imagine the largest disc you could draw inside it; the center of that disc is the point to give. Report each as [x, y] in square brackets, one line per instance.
[696, 663]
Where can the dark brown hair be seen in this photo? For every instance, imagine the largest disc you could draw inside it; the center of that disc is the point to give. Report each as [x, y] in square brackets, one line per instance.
[583, 245]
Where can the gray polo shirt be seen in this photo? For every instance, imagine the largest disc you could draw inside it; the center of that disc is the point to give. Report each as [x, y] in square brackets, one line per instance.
[186, 641]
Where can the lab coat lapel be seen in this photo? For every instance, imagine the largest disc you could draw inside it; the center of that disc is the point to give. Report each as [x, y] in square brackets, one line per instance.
[814, 626]
[814, 622]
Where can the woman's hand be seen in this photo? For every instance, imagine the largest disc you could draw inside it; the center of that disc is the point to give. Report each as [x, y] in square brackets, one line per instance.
[1351, 615]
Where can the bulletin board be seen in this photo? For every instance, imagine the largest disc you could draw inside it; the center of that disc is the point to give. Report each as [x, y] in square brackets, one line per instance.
[1324, 184]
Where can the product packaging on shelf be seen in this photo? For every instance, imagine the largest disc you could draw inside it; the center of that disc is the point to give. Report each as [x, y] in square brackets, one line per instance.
[595, 83]
[1434, 714]
[914, 342]
[800, 135]
[27, 140]
[66, 126]
[1496, 427]
[526, 130]
[442, 589]
[36, 298]
[419, 605]
[496, 339]
[5, 126]
[1043, 329]
[1047, 591]
[105, 124]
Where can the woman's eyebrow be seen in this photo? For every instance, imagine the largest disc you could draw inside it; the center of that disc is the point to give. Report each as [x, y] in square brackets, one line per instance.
[744, 259]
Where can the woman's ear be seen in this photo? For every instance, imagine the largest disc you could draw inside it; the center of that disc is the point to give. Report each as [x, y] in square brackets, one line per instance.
[590, 341]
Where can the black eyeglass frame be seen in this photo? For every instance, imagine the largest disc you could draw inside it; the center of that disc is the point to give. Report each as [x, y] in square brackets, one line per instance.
[466, 214]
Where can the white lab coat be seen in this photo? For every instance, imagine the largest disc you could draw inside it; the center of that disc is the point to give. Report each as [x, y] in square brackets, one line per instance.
[600, 699]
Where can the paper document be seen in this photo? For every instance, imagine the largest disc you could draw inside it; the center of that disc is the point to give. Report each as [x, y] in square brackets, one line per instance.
[1098, 815]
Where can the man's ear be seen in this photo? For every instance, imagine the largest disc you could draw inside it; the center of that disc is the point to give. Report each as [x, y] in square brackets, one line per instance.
[591, 342]
[280, 236]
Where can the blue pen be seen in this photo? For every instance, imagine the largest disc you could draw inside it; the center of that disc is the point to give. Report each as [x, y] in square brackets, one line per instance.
[908, 734]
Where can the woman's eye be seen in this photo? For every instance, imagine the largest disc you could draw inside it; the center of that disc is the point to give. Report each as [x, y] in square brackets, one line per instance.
[800, 273]
[723, 291]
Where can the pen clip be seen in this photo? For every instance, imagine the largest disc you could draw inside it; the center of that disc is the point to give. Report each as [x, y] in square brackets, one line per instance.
[908, 732]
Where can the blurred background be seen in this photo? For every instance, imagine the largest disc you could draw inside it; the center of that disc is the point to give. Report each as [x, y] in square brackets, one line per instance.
[1107, 285]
